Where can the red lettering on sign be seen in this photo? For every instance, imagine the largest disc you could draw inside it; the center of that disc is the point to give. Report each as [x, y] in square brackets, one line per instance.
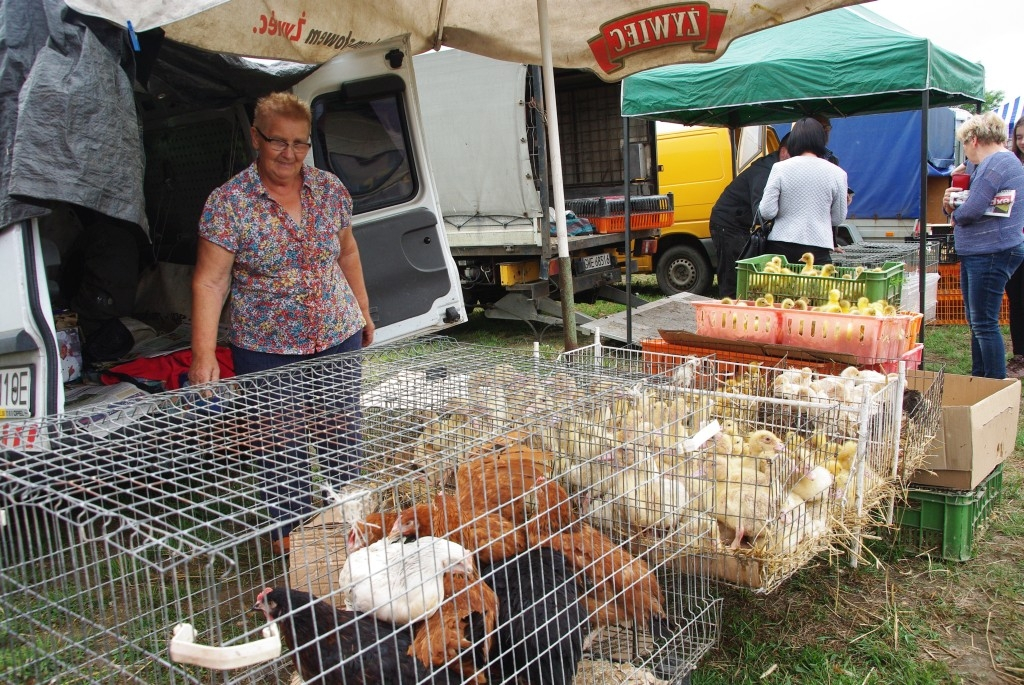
[694, 23]
[272, 26]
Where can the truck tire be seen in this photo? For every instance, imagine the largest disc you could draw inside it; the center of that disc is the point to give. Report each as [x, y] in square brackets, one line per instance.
[683, 269]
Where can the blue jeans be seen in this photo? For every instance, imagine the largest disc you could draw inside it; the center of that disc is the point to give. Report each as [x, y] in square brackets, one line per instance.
[285, 430]
[983, 280]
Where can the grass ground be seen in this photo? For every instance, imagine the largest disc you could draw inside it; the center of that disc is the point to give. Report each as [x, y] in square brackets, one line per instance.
[908, 617]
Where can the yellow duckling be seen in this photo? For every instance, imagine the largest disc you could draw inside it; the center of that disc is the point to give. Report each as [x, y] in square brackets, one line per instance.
[845, 306]
[729, 300]
[801, 304]
[786, 272]
[832, 306]
[857, 271]
[865, 307]
[828, 270]
[788, 303]
[808, 259]
[767, 301]
[773, 265]
[888, 310]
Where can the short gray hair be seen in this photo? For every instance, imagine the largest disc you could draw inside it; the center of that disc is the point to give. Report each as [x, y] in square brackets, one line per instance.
[987, 127]
[283, 105]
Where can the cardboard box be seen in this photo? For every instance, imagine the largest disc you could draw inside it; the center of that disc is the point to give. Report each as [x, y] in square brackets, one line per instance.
[978, 431]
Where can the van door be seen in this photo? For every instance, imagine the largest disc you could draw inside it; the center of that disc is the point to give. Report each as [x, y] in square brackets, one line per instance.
[30, 382]
[367, 130]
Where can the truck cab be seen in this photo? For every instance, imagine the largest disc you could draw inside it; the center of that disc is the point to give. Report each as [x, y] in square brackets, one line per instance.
[366, 129]
[695, 164]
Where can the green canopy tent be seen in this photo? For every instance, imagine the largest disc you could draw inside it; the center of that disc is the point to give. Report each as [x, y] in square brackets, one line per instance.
[843, 62]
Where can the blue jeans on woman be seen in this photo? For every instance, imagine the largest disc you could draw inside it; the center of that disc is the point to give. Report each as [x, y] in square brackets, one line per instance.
[281, 435]
[983, 280]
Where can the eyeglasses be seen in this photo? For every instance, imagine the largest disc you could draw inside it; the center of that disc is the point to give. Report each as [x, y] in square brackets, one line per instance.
[278, 145]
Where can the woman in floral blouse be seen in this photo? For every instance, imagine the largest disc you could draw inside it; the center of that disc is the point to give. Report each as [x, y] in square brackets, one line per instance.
[279, 236]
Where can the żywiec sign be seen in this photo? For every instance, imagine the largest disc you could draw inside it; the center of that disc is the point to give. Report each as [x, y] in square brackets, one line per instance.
[693, 23]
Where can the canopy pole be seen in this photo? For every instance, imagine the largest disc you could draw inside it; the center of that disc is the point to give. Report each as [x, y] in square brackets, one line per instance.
[625, 219]
[555, 152]
[922, 259]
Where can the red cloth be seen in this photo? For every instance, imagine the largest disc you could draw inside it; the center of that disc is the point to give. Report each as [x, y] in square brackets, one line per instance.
[167, 368]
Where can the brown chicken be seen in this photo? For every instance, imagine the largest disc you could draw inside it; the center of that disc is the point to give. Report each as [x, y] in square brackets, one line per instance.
[368, 531]
[460, 633]
[619, 588]
[513, 483]
[492, 537]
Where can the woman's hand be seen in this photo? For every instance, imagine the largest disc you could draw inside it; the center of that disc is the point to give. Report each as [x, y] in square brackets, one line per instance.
[947, 200]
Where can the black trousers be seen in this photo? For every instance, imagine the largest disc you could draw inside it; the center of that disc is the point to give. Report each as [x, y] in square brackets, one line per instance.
[728, 244]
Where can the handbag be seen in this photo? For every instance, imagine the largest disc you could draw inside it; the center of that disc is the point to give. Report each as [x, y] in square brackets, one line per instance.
[757, 243]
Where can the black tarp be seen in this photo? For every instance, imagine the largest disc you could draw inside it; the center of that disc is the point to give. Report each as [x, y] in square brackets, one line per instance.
[68, 118]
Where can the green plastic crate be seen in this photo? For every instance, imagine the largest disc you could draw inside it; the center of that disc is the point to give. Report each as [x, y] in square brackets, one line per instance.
[947, 520]
[752, 282]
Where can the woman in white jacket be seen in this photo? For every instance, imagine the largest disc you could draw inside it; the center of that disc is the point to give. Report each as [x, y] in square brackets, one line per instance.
[806, 196]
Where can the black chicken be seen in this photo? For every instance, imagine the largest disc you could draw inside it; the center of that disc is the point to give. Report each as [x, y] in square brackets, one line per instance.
[337, 647]
[540, 621]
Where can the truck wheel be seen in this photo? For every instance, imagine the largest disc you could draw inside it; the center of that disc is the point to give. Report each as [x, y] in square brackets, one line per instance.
[683, 269]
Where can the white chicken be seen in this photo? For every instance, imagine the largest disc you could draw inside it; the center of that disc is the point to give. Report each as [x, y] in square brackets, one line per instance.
[401, 582]
[650, 496]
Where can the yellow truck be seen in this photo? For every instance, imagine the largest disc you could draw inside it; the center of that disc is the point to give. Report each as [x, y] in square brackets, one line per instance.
[695, 164]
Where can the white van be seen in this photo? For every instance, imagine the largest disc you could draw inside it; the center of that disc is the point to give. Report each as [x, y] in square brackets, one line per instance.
[194, 136]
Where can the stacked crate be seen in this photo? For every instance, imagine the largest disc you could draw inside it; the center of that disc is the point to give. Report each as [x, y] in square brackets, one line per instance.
[950, 306]
[946, 522]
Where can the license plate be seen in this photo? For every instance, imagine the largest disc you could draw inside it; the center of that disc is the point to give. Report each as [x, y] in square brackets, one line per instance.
[596, 261]
[16, 392]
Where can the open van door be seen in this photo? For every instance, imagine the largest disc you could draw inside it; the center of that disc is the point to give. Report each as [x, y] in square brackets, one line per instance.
[367, 130]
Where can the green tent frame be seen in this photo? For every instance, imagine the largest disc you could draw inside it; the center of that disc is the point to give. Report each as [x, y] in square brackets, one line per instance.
[841, 63]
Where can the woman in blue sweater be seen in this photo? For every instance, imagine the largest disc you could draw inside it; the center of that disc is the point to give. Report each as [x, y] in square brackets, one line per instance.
[988, 230]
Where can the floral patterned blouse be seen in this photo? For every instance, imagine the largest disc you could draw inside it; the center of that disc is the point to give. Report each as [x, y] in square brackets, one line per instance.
[288, 293]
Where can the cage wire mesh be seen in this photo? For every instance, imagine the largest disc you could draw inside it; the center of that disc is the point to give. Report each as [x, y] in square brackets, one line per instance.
[140, 522]
[850, 440]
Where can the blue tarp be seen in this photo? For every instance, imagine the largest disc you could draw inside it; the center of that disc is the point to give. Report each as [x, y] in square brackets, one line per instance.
[881, 156]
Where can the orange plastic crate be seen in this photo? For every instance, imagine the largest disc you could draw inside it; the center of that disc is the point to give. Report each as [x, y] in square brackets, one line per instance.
[745, 322]
[949, 309]
[637, 220]
[662, 355]
[949, 279]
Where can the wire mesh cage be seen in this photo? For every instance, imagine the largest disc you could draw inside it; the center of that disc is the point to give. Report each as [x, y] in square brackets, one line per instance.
[877, 253]
[837, 443]
[437, 531]
[769, 518]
